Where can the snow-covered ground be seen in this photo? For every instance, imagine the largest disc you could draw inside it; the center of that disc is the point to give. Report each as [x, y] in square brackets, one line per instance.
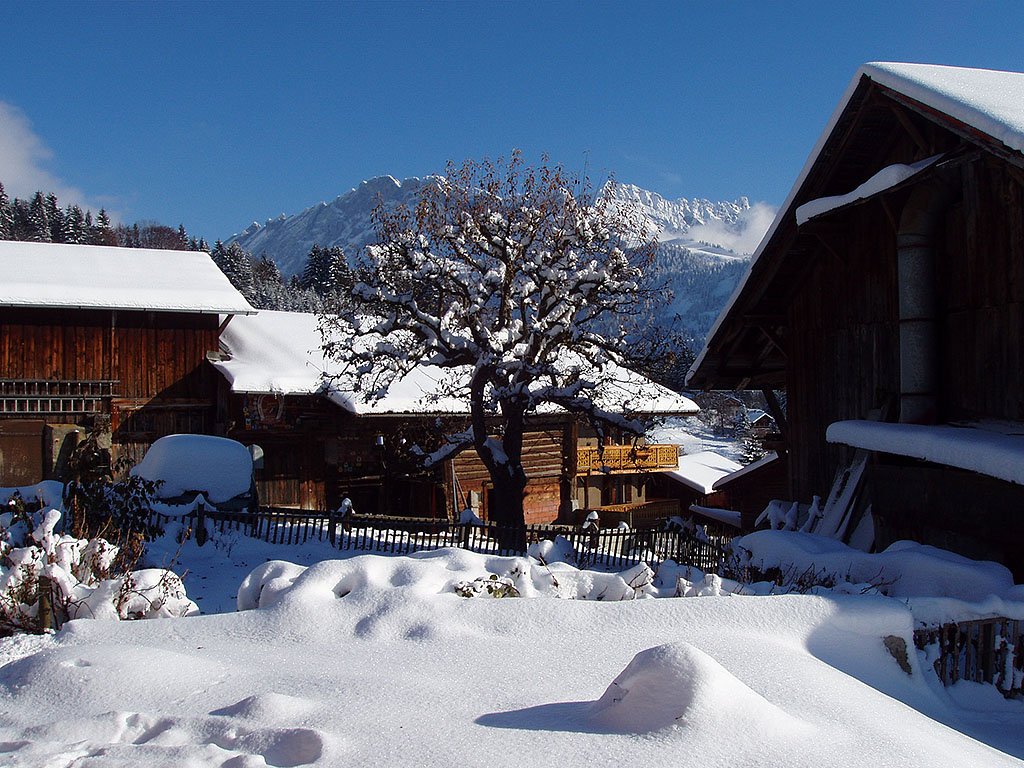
[695, 436]
[376, 660]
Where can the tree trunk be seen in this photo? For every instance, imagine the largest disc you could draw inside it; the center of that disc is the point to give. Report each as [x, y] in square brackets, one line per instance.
[507, 510]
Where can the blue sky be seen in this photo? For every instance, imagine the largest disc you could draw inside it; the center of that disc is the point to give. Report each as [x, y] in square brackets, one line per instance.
[217, 114]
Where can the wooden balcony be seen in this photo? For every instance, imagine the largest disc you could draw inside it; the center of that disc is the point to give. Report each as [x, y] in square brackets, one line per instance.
[626, 459]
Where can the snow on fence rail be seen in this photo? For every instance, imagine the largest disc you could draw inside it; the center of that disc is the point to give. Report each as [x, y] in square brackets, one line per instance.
[610, 547]
[983, 651]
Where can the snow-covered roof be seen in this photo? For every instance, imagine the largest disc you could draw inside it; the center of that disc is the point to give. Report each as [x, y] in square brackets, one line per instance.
[990, 101]
[993, 449]
[280, 352]
[768, 458]
[702, 470]
[106, 277]
[727, 516]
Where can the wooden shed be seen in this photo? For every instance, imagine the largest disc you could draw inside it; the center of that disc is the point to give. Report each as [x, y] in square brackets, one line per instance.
[121, 333]
[890, 291]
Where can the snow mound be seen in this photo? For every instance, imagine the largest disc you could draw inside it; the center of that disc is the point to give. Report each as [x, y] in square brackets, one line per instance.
[677, 683]
[219, 467]
[905, 569]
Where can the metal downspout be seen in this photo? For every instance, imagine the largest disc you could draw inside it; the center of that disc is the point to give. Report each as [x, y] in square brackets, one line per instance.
[920, 223]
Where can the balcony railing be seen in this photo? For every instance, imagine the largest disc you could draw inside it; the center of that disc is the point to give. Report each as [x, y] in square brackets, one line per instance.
[624, 459]
[38, 397]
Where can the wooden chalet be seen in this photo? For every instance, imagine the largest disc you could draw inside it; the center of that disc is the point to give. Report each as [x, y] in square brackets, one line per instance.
[321, 442]
[889, 295]
[116, 333]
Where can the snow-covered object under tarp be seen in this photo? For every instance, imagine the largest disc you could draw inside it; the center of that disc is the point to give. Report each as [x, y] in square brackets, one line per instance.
[700, 471]
[996, 450]
[106, 277]
[218, 467]
[988, 100]
[887, 178]
[281, 353]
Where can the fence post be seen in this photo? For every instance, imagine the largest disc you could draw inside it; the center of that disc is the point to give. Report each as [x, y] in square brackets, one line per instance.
[45, 616]
[201, 522]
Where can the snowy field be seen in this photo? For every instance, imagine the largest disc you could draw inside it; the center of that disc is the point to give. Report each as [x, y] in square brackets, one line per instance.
[695, 436]
[377, 661]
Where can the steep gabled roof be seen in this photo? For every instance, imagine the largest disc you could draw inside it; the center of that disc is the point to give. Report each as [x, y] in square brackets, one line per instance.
[58, 275]
[984, 107]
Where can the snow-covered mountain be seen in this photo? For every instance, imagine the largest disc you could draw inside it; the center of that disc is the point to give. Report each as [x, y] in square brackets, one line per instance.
[344, 221]
[704, 246]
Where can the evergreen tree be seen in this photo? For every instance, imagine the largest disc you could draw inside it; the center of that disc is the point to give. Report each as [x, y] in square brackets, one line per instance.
[237, 265]
[326, 271]
[102, 233]
[38, 221]
[73, 230]
[6, 215]
[55, 219]
[750, 445]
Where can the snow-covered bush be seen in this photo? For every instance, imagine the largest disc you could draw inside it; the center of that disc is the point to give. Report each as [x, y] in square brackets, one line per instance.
[490, 586]
[47, 577]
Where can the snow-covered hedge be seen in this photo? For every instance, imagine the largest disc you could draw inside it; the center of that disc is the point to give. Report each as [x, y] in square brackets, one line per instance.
[80, 572]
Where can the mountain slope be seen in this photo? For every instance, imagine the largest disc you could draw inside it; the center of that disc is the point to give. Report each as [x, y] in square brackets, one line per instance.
[704, 245]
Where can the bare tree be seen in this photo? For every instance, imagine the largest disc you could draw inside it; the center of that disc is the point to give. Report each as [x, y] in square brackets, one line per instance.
[524, 287]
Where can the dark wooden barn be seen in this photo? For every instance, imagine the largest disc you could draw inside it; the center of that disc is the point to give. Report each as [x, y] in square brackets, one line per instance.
[890, 292]
[116, 333]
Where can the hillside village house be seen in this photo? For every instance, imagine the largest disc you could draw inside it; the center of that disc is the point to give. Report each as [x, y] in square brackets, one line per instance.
[887, 299]
[116, 333]
[320, 441]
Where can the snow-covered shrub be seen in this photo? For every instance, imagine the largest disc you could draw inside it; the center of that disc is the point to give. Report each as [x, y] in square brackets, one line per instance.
[122, 509]
[491, 586]
[557, 550]
[45, 576]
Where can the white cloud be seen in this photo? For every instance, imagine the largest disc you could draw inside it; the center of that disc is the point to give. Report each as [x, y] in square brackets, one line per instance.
[742, 237]
[24, 158]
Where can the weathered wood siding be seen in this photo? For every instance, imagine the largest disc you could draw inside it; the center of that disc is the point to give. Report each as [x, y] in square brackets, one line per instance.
[843, 354]
[844, 345]
[981, 290]
[151, 354]
[546, 462]
[158, 359]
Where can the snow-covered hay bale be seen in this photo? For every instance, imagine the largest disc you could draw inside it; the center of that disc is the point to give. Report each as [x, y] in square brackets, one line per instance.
[219, 467]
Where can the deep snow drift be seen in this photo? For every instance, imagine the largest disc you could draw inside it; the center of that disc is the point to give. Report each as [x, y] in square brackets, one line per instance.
[377, 661]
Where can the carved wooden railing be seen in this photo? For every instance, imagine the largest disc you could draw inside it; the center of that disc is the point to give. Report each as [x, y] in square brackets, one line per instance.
[626, 458]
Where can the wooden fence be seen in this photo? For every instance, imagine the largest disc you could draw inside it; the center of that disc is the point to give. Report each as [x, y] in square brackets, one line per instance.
[983, 651]
[610, 547]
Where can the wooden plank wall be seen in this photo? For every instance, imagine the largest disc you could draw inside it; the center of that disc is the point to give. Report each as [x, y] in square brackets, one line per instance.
[545, 462]
[981, 289]
[843, 352]
[152, 354]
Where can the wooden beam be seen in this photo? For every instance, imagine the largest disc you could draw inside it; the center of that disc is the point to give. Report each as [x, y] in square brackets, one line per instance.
[774, 339]
[912, 131]
[775, 409]
[830, 249]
